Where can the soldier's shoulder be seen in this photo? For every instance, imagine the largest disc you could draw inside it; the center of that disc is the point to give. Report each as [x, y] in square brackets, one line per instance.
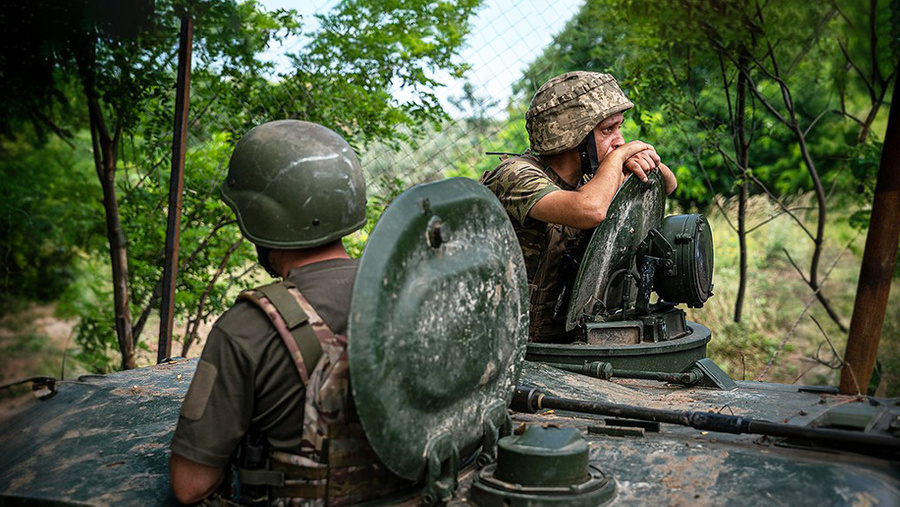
[512, 170]
[244, 320]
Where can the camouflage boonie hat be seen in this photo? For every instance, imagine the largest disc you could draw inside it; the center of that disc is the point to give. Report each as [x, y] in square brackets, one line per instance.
[566, 108]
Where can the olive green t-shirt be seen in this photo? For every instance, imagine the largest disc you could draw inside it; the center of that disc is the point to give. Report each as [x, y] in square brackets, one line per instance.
[245, 377]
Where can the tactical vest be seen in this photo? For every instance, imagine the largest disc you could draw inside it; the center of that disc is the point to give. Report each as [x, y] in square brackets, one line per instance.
[336, 464]
[551, 260]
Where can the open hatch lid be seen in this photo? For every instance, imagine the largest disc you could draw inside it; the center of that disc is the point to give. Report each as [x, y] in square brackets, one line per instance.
[438, 323]
[636, 208]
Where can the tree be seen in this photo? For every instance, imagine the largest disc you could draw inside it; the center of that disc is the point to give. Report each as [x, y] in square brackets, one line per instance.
[741, 83]
[114, 60]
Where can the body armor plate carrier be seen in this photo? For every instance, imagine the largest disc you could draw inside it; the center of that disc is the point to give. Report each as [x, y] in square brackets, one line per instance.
[336, 465]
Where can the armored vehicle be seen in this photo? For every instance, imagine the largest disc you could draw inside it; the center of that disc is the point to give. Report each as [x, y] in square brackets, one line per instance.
[452, 396]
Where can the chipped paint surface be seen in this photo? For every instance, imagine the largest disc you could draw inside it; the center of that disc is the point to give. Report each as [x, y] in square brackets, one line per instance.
[684, 466]
[635, 210]
[438, 321]
[103, 440]
[106, 443]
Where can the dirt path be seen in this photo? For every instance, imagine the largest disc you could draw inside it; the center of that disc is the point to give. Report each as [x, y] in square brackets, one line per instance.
[33, 342]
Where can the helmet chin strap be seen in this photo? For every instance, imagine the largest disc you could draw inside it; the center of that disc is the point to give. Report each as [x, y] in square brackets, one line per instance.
[587, 151]
[262, 254]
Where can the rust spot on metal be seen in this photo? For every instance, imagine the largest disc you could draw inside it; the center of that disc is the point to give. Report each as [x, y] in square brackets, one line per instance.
[685, 476]
[139, 391]
[149, 446]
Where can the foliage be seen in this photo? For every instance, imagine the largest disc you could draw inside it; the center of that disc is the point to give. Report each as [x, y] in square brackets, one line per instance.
[117, 60]
[369, 52]
[746, 97]
[209, 238]
[812, 346]
[48, 217]
[390, 188]
[678, 60]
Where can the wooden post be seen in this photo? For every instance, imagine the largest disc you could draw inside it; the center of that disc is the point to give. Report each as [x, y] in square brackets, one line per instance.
[176, 187]
[877, 269]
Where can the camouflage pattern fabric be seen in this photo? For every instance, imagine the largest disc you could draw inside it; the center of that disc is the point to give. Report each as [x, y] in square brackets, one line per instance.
[566, 108]
[337, 465]
[519, 182]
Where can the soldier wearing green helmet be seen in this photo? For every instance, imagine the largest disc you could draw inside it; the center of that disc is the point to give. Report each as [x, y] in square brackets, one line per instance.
[561, 188]
[270, 395]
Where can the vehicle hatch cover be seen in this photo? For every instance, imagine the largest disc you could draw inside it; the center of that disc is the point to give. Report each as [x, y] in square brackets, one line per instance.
[636, 208]
[438, 322]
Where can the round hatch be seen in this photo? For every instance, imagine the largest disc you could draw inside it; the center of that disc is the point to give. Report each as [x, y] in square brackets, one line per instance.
[438, 322]
[636, 209]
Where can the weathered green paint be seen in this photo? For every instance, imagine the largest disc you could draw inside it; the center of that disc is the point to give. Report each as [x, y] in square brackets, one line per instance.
[711, 375]
[542, 465]
[654, 327]
[295, 184]
[438, 324]
[682, 465]
[543, 456]
[670, 356]
[103, 440]
[692, 273]
[701, 373]
[854, 416]
[636, 209]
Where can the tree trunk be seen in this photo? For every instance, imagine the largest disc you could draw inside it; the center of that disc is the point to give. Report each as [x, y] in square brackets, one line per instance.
[105, 164]
[742, 151]
[742, 243]
[877, 269]
[105, 151]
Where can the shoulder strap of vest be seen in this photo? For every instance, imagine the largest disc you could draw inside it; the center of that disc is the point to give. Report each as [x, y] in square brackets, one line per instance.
[284, 305]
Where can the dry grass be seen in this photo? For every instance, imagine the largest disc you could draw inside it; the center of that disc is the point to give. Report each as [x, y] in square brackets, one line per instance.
[785, 335]
[33, 342]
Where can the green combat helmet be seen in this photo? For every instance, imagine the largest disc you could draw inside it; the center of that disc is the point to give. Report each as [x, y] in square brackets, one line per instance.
[295, 184]
[568, 107]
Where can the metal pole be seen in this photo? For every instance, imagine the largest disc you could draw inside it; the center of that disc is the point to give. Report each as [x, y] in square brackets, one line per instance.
[877, 269]
[176, 187]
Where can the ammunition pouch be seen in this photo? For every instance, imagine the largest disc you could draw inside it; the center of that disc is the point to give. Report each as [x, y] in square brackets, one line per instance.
[350, 472]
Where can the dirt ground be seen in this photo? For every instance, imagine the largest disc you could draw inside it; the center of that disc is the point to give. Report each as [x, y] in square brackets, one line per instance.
[33, 342]
[36, 342]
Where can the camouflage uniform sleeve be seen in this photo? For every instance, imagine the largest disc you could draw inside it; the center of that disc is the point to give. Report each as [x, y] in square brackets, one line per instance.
[518, 186]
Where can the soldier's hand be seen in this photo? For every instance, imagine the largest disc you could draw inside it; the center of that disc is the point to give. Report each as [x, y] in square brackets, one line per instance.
[668, 178]
[642, 163]
[617, 157]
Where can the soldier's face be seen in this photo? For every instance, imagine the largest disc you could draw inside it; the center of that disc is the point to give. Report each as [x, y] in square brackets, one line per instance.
[607, 135]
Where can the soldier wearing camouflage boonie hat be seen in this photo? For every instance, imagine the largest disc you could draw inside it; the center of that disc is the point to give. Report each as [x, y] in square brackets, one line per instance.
[272, 384]
[573, 127]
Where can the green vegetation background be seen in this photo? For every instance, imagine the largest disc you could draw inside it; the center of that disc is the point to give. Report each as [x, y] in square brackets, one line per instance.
[681, 64]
